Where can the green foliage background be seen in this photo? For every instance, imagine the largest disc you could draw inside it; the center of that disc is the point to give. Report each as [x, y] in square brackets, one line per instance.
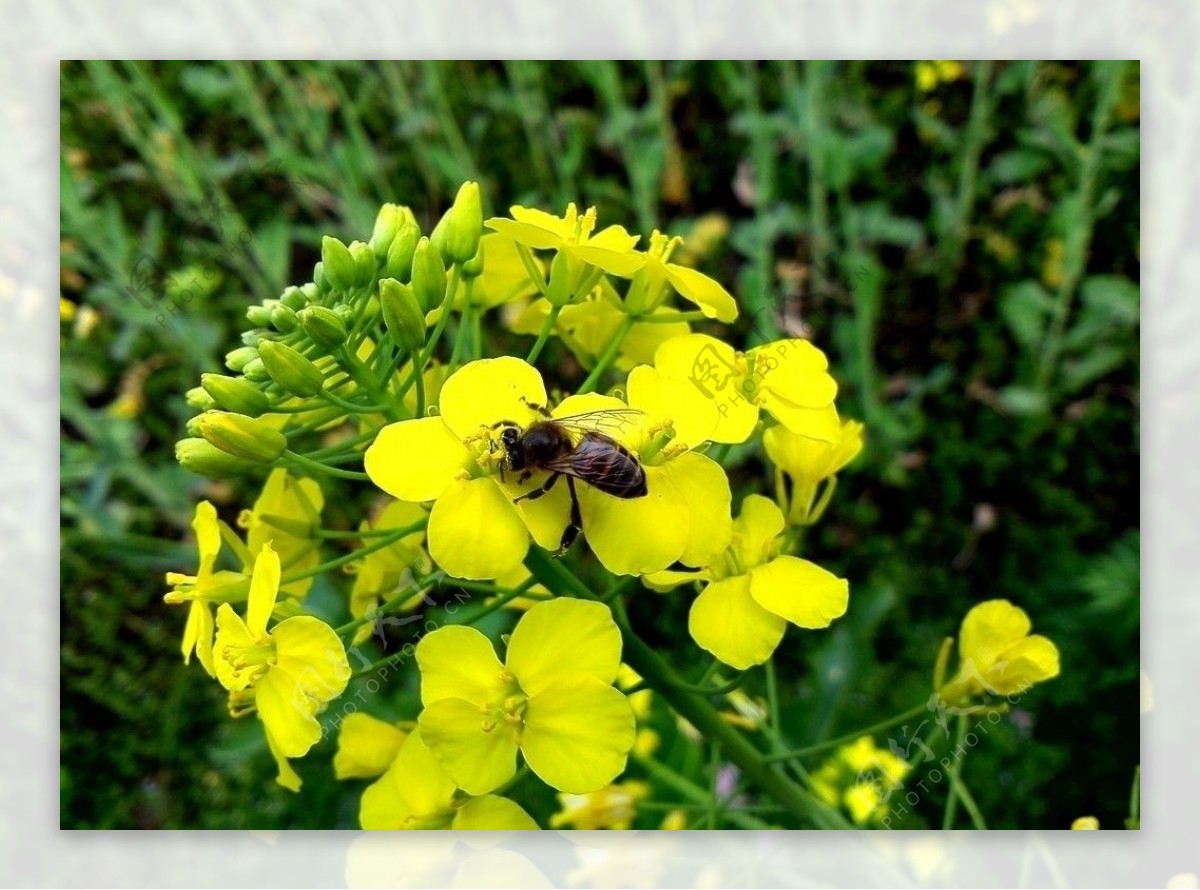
[966, 254]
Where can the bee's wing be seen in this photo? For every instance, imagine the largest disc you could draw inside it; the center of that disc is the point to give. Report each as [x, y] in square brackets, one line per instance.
[609, 421]
[604, 465]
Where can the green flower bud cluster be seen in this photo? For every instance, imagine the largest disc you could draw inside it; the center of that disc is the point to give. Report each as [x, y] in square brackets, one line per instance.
[309, 353]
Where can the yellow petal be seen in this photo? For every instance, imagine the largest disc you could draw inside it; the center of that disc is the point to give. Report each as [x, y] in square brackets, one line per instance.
[491, 813]
[310, 652]
[727, 622]
[988, 629]
[414, 460]
[1024, 663]
[483, 393]
[815, 423]
[208, 535]
[504, 277]
[198, 635]
[475, 531]
[414, 789]
[232, 634]
[712, 367]
[644, 338]
[755, 530]
[287, 712]
[614, 262]
[663, 581]
[714, 301]
[705, 489]
[800, 591]
[459, 662]
[366, 746]
[810, 460]
[546, 516]
[479, 761]
[264, 588]
[287, 777]
[665, 399]
[578, 734]
[634, 536]
[563, 639]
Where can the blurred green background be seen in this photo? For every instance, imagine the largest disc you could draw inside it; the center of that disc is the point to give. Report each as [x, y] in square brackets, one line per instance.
[961, 238]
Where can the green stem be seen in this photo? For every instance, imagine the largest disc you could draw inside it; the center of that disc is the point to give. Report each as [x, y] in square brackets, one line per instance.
[689, 789]
[609, 356]
[543, 335]
[351, 406]
[355, 554]
[973, 141]
[388, 607]
[318, 467]
[954, 771]
[850, 736]
[531, 269]
[1078, 237]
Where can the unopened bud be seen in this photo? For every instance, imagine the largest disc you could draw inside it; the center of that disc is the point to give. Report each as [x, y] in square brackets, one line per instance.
[259, 316]
[293, 298]
[201, 456]
[364, 263]
[400, 255]
[236, 359]
[291, 370]
[198, 399]
[402, 314]
[283, 319]
[324, 326]
[255, 371]
[243, 436]
[388, 222]
[457, 234]
[428, 275]
[235, 394]
[337, 264]
[473, 267]
[558, 291]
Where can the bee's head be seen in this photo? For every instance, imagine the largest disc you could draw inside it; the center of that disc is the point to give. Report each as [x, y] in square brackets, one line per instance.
[509, 436]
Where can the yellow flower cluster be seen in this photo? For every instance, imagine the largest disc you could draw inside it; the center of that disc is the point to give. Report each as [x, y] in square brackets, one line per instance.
[490, 472]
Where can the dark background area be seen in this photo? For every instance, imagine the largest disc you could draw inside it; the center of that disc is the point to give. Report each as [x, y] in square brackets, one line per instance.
[962, 240]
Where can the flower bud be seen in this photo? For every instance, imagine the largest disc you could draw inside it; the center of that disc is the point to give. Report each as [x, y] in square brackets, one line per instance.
[283, 319]
[324, 326]
[243, 436]
[428, 275]
[291, 370]
[558, 291]
[201, 456]
[251, 338]
[236, 359]
[320, 279]
[235, 394]
[457, 234]
[193, 424]
[364, 263]
[312, 294]
[473, 267]
[293, 298]
[400, 254]
[255, 371]
[402, 314]
[199, 399]
[338, 264]
[259, 316]
[388, 222]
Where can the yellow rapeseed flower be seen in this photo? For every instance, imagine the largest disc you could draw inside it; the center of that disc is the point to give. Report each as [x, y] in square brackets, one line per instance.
[206, 588]
[287, 515]
[416, 792]
[475, 531]
[552, 699]
[787, 378]
[613, 807]
[806, 462]
[751, 592]
[648, 288]
[293, 669]
[610, 249]
[998, 655]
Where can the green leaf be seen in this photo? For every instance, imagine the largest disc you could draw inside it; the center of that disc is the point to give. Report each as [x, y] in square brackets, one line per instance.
[1023, 401]
[1025, 308]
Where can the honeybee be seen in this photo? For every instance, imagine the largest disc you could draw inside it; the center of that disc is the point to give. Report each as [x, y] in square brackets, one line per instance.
[573, 447]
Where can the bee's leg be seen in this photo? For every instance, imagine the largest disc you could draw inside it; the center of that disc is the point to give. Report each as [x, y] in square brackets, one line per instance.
[575, 526]
[538, 492]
